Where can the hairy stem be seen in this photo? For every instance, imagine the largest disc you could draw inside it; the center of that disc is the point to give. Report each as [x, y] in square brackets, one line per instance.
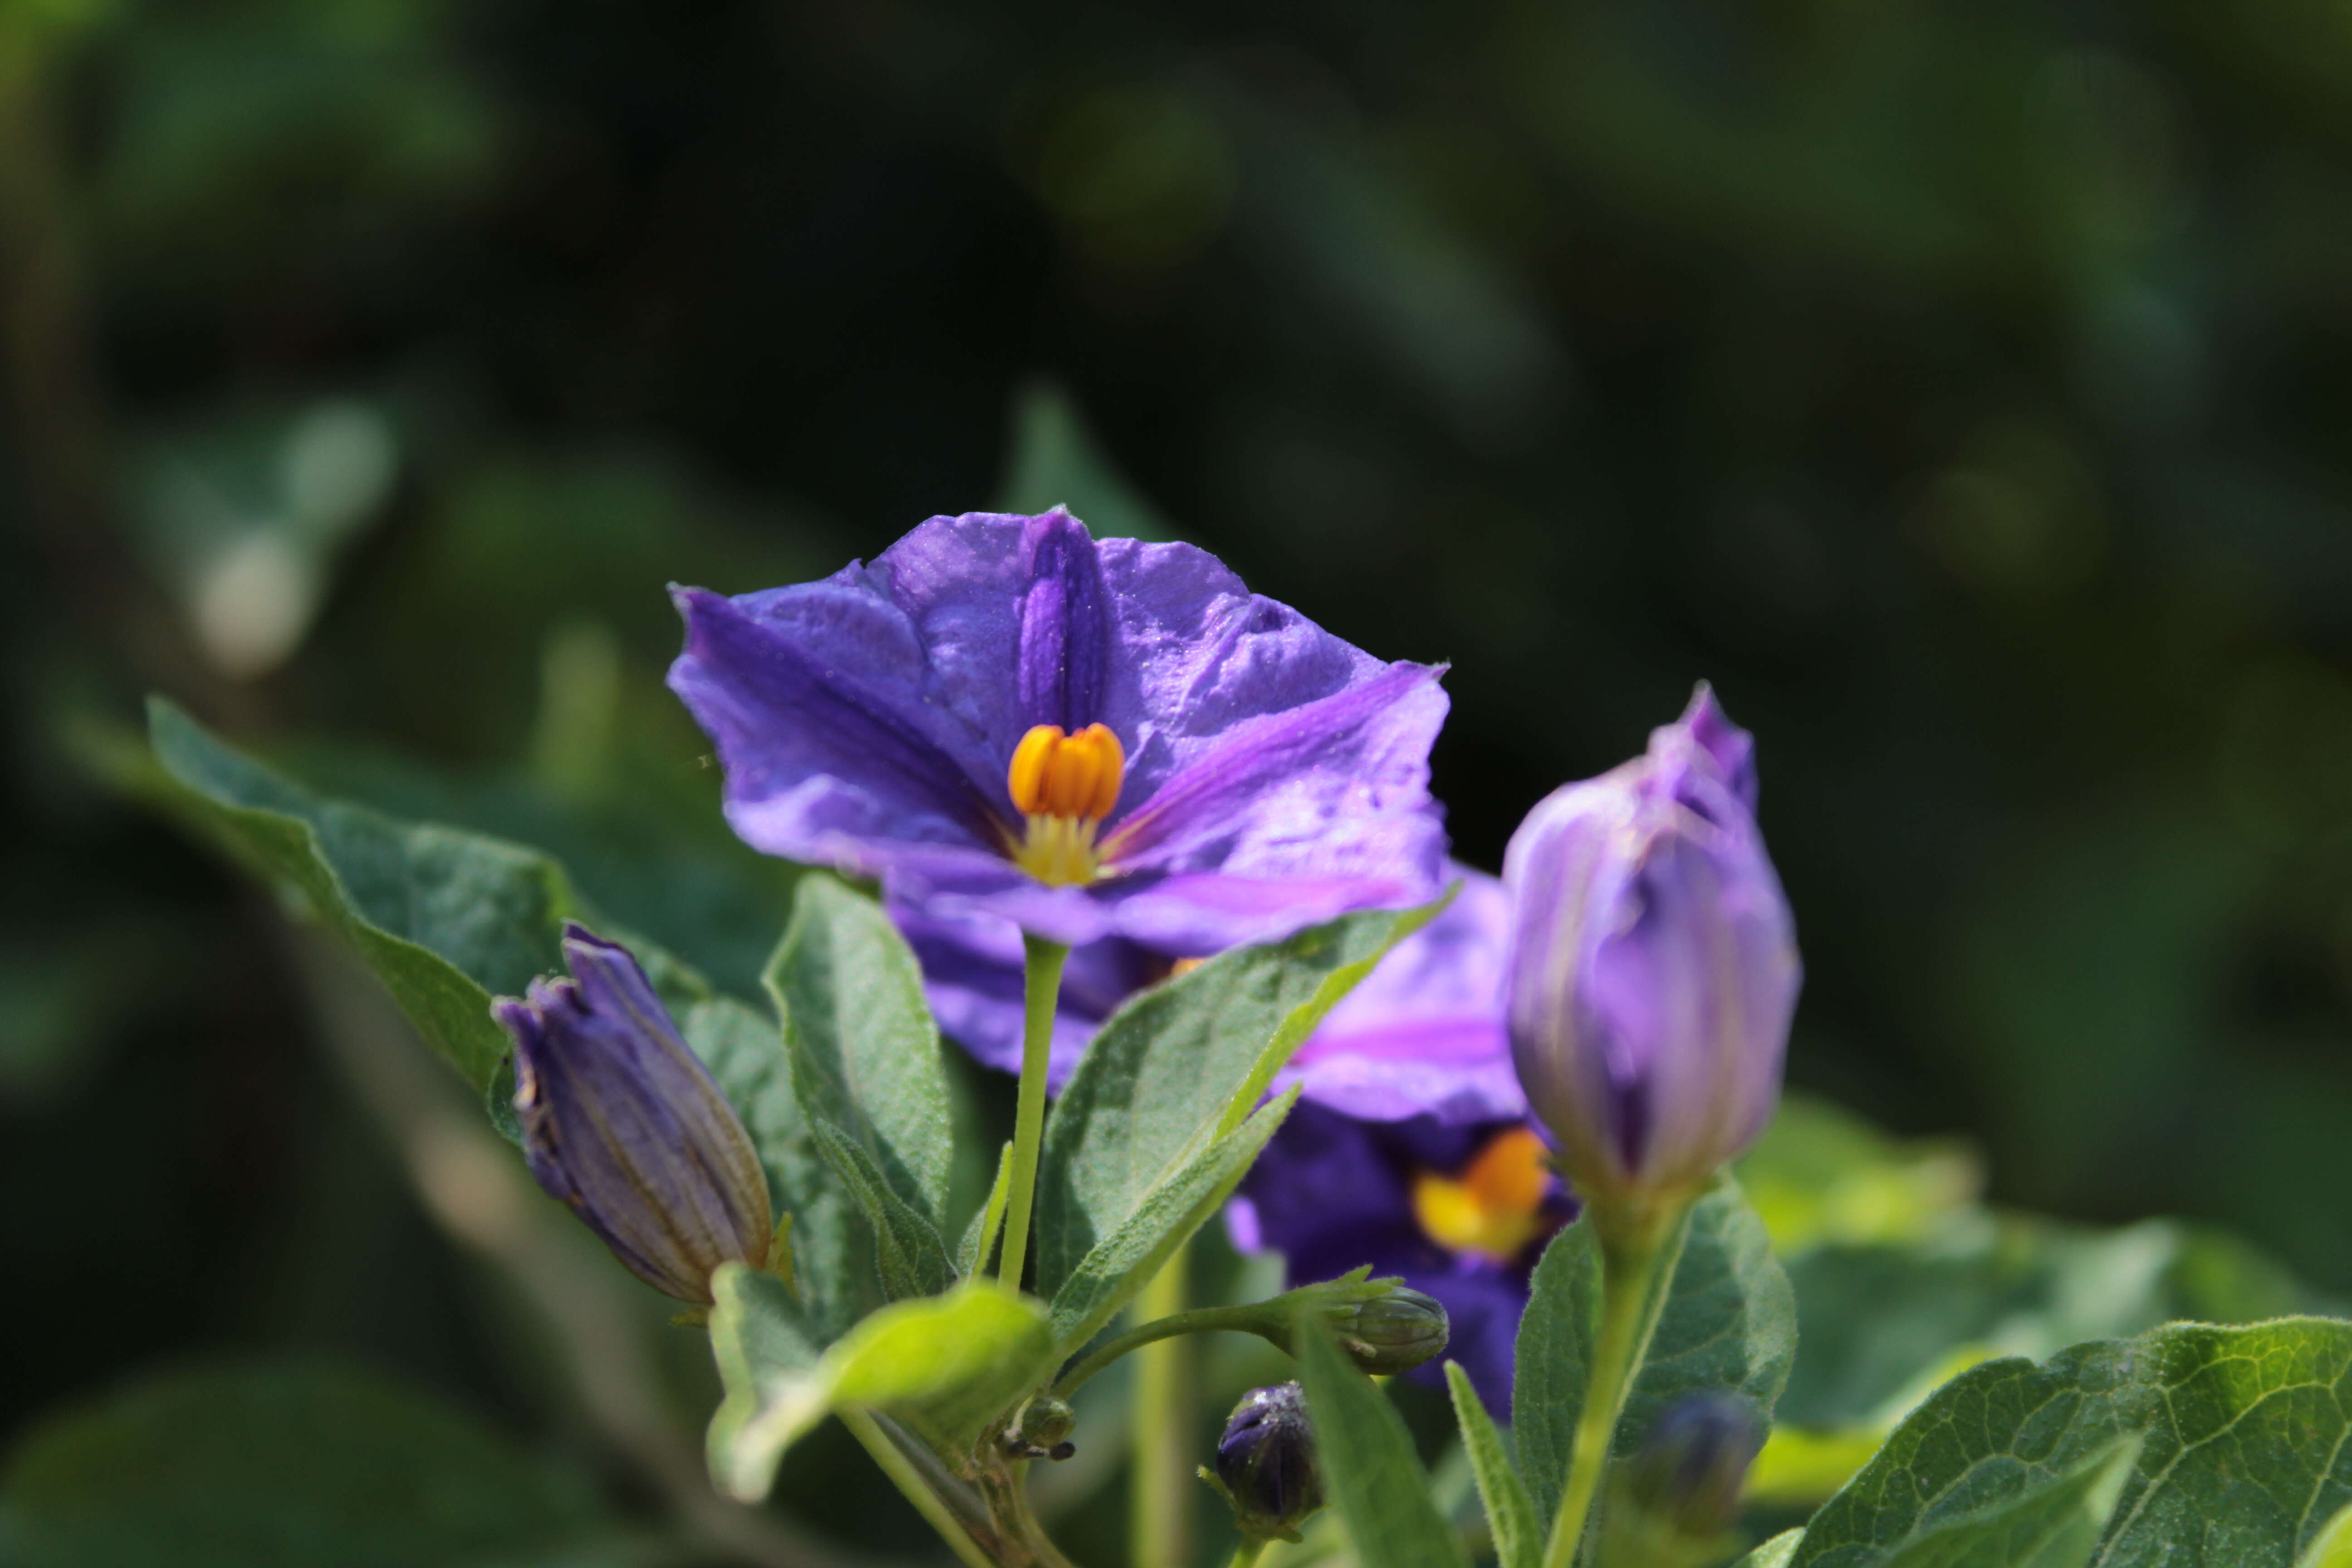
[1160, 1522]
[1637, 1260]
[1041, 989]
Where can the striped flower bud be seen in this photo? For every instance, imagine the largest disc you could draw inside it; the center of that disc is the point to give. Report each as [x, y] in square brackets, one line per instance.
[1392, 1333]
[620, 1121]
[1654, 965]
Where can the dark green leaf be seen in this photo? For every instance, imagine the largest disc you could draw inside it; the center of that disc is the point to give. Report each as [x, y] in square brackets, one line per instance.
[1550, 1362]
[1729, 1322]
[1510, 1513]
[948, 1365]
[1122, 1262]
[2247, 1450]
[866, 1055]
[1181, 1065]
[1371, 1474]
[305, 1464]
[907, 1251]
[446, 919]
[1881, 1318]
[2055, 1523]
[832, 1250]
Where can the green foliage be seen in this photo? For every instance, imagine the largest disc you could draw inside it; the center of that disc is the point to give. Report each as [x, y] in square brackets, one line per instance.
[1370, 1473]
[867, 1074]
[865, 1054]
[947, 1365]
[1125, 1260]
[834, 1268]
[1510, 1512]
[1729, 1322]
[2244, 1447]
[446, 919]
[1178, 1067]
[2055, 1523]
[300, 1465]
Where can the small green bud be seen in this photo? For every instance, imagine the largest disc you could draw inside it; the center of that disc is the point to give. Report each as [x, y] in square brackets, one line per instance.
[1043, 1430]
[1392, 1333]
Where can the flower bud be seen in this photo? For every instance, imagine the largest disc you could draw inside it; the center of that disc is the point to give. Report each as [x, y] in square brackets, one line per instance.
[1689, 1470]
[1392, 1333]
[620, 1121]
[1266, 1463]
[1654, 964]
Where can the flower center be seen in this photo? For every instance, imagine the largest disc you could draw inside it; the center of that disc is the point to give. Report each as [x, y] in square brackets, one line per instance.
[1495, 1208]
[1064, 785]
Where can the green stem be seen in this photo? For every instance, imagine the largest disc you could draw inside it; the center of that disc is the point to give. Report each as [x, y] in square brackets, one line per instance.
[1246, 1319]
[1637, 1260]
[896, 1465]
[1041, 989]
[1161, 1520]
[1245, 1555]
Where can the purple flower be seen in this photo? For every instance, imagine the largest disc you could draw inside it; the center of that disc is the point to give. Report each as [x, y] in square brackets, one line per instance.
[1460, 1210]
[1654, 965]
[621, 1122]
[1091, 739]
[1421, 1034]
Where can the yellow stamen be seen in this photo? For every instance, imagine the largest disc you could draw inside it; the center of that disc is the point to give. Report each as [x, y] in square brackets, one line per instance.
[1064, 784]
[1495, 1208]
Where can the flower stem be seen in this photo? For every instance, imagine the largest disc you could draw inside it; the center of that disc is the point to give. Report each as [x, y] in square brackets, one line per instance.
[896, 1465]
[1160, 1516]
[1637, 1261]
[1041, 989]
[1245, 1555]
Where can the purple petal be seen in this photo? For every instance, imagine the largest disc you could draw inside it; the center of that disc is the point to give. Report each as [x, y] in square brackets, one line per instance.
[1331, 1194]
[1064, 625]
[1336, 784]
[1423, 1034]
[823, 750]
[1731, 750]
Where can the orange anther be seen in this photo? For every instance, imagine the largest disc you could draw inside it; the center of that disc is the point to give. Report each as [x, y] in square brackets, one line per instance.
[1494, 1207]
[1058, 775]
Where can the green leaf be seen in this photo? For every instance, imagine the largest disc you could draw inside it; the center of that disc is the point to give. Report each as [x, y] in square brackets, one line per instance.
[2055, 1524]
[2247, 1446]
[866, 1055]
[1370, 1473]
[1182, 1065]
[1510, 1513]
[909, 1253]
[1551, 1358]
[833, 1250]
[1121, 1263]
[1882, 1322]
[294, 1465]
[1775, 1552]
[1729, 1322]
[980, 1236]
[948, 1365]
[446, 919]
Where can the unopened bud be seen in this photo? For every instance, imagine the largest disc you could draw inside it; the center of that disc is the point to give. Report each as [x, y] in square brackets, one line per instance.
[1266, 1463]
[1392, 1333]
[1044, 1430]
[1690, 1470]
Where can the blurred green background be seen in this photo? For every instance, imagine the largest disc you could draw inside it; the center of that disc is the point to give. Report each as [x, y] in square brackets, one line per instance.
[1960, 386]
